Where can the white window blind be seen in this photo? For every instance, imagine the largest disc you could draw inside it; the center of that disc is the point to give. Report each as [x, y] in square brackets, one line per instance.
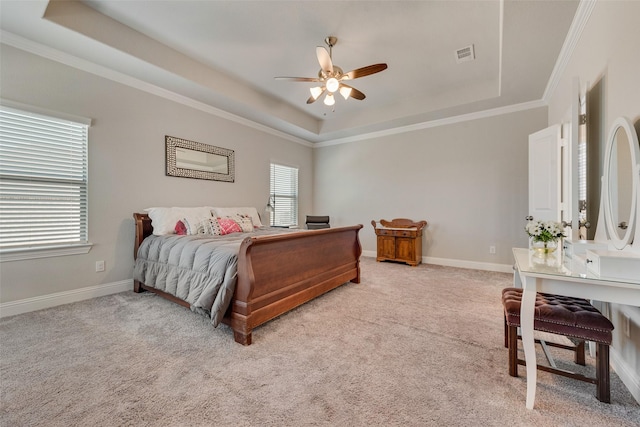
[582, 153]
[284, 191]
[43, 181]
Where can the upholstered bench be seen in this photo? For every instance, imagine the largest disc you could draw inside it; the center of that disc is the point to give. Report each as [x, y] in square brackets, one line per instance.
[561, 315]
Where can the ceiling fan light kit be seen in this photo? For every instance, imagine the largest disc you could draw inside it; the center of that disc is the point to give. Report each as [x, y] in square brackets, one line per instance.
[328, 100]
[345, 91]
[332, 84]
[332, 77]
[316, 92]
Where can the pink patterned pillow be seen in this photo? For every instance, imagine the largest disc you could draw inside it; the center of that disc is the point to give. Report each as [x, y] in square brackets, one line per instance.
[227, 226]
[180, 229]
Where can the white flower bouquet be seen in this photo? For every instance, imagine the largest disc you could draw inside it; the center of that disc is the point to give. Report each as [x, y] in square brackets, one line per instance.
[544, 231]
[544, 236]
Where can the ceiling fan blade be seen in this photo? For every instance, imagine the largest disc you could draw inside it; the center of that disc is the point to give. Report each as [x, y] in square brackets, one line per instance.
[324, 59]
[355, 93]
[366, 71]
[299, 79]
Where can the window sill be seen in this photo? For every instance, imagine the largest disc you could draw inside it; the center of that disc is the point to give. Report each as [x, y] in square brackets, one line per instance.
[46, 252]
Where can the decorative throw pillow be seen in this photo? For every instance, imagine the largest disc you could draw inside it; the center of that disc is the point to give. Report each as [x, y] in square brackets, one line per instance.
[210, 226]
[191, 225]
[230, 212]
[207, 226]
[227, 226]
[180, 229]
[245, 222]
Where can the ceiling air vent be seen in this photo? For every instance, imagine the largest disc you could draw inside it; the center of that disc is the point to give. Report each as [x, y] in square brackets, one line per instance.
[465, 54]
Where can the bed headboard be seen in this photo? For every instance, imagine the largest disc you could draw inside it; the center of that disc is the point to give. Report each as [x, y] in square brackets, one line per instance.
[143, 229]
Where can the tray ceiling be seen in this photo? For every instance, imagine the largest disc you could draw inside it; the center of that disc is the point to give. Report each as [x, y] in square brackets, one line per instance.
[224, 55]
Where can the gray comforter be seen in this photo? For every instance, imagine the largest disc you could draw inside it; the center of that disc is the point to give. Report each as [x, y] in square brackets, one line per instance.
[200, 270]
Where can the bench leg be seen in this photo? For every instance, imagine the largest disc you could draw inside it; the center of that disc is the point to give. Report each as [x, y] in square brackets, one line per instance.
[512, 336]
[506, 333]
[602, 373]
[579, 359]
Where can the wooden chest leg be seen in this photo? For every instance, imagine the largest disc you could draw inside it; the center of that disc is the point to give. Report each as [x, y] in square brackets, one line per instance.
[242, 338]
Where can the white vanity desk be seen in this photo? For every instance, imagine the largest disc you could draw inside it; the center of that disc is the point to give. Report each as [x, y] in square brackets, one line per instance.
[552, 276]
[609, 271]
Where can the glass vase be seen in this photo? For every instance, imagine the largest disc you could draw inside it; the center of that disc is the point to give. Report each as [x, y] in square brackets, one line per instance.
[543, 248]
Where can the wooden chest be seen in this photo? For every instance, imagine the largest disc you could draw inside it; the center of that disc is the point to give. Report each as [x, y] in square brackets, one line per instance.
[399, 240]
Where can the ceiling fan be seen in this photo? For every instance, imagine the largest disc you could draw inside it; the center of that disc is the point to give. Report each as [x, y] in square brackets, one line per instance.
[332, 78]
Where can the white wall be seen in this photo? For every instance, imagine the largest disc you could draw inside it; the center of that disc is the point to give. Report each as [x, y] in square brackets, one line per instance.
[607, 60]
[467, 180]
[127, 167]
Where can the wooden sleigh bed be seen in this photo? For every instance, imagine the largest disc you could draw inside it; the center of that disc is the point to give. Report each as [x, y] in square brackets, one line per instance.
[278, 273]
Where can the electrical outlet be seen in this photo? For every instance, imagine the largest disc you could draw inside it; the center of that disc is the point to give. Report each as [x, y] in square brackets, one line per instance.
[99, 266]
[625, 325]
[492, 250]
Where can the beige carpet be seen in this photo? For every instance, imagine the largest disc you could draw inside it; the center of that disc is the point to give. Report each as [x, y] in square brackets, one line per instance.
[406, 347]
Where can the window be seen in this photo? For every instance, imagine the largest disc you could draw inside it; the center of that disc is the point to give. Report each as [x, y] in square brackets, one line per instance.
[284, 196]
[582, 169]
[43, 185]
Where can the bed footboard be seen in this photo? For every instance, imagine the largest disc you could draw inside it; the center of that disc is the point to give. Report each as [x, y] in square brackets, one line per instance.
[279, 273]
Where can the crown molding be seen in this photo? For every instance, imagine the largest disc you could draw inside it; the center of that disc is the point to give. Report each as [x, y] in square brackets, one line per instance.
[583, 13]
[39, 49]
[435, 123]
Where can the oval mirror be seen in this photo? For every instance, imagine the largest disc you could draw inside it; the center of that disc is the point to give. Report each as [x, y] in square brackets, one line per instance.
[621, 182]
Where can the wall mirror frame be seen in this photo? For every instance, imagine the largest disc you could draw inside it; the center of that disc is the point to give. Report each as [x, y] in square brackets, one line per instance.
[190, 159]
[621, 183]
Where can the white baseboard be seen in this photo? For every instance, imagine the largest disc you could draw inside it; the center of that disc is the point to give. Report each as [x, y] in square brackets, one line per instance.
[626, 373]
[502, 268]
[46, 301]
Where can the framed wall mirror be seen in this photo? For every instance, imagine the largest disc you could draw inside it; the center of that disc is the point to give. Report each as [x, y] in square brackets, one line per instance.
[621, 181]
[190, 159]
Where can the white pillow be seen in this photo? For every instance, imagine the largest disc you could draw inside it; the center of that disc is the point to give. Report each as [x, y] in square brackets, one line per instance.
[232, 212]
[163, 220]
